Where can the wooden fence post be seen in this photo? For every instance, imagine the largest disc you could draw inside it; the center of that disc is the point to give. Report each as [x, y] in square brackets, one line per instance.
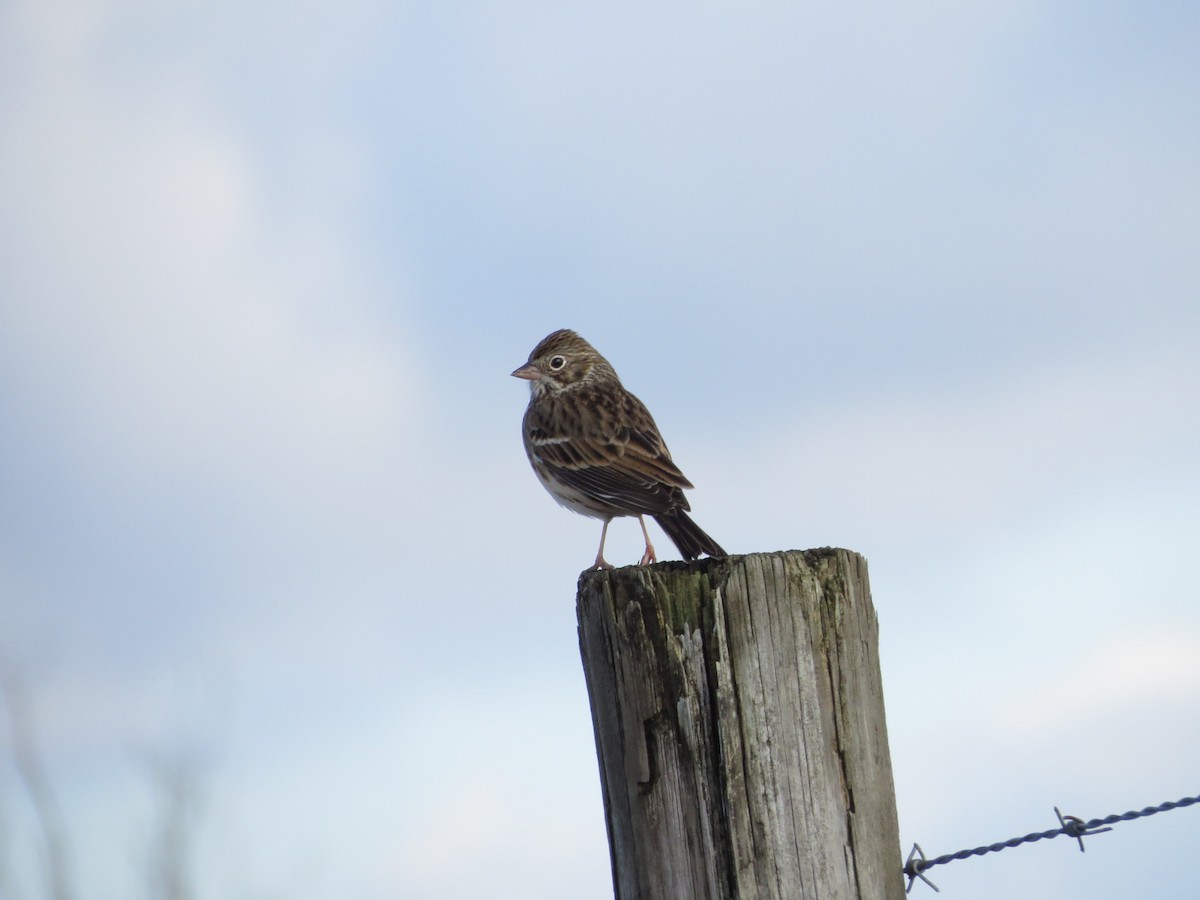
[739, 722]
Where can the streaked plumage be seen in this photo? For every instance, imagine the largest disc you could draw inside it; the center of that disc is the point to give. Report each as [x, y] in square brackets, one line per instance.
[596, 449]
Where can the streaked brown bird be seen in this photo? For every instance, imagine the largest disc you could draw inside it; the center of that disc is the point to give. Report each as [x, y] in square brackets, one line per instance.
[595, 447]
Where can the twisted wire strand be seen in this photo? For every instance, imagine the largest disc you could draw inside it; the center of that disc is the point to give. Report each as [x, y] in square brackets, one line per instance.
[917, 864]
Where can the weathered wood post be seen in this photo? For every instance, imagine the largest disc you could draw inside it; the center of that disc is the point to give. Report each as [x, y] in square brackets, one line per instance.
[739, 723]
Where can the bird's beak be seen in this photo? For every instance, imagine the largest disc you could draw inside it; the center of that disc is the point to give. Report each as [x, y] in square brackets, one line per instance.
[529, 372]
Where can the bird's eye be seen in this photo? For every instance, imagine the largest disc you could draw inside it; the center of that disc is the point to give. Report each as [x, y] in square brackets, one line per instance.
[557, 362]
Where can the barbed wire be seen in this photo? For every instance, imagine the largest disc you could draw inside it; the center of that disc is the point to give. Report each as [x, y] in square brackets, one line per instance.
[916, 865]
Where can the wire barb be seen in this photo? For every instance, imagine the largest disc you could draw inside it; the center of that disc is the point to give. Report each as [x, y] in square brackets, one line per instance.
[917, 864]
[1075, 827]
[914, 868]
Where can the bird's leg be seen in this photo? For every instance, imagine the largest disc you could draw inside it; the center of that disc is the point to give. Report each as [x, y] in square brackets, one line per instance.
[648, 556]
[601, 563]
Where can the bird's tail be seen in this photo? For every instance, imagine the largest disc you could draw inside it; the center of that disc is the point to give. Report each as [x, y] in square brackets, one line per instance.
[687, 535]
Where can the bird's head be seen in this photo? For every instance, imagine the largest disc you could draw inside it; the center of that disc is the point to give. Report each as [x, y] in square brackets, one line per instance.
[563, 360]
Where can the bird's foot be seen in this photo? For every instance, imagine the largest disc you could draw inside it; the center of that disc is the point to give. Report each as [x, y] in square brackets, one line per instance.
[649, 556]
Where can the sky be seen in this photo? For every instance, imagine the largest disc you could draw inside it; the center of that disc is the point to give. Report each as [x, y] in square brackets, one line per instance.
[280, 600]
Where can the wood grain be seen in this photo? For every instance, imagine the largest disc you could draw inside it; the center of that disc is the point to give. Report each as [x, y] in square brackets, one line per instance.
[739, 721]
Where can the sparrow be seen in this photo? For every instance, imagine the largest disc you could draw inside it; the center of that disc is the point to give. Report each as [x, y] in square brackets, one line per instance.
[594, 446]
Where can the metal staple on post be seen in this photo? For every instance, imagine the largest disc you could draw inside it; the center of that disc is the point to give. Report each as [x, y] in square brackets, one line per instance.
[916, 865]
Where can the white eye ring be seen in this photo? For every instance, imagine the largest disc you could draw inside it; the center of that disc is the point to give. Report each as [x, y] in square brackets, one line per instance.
[557, 362]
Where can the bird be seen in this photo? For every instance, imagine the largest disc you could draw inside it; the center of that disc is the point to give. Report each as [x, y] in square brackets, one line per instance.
[594, 446]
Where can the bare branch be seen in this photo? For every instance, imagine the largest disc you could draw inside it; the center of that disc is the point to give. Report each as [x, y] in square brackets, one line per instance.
[28, 761]
[177, 778]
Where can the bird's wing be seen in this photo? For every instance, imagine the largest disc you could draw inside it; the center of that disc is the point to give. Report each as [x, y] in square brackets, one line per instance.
[615, 455]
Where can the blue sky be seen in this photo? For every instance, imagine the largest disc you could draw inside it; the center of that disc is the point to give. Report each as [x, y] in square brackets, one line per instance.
[920, 281]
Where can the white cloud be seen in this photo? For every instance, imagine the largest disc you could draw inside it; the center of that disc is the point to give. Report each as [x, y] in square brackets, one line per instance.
[972, 453]
[163, 306]
[1130, 672]
[511, 768]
